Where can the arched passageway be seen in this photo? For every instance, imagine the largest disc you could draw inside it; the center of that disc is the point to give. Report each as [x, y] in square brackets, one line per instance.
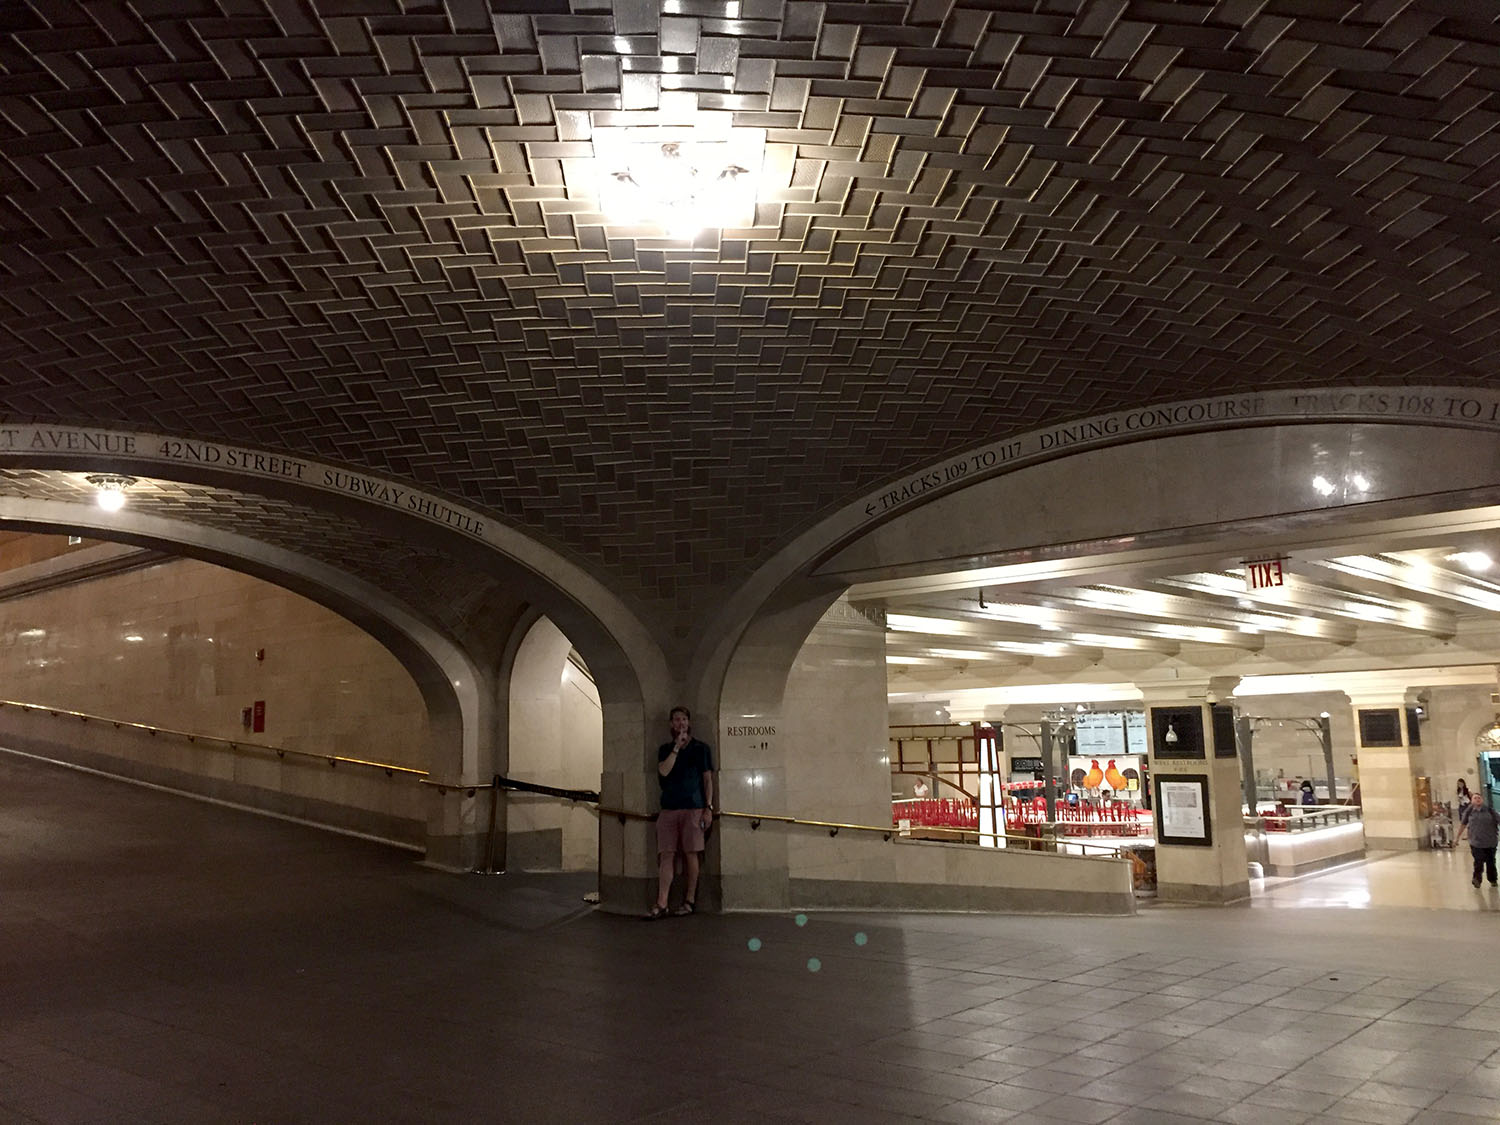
[1195, 486]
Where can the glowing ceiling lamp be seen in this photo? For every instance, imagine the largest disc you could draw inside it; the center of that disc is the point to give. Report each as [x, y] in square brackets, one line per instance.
[1472, 560]
[110, 494]
[683, 179]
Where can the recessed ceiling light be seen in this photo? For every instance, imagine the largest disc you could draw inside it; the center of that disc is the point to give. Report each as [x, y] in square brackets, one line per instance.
[1471, 560]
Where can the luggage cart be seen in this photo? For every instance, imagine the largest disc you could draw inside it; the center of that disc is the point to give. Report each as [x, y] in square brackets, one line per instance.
[1441, 832]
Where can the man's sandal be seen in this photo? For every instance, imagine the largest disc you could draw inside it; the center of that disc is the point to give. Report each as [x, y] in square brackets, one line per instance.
[685, 908]
[657, 913]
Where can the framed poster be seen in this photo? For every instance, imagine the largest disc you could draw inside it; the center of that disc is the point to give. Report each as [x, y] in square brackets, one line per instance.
[1182, 810]
[1177, 732]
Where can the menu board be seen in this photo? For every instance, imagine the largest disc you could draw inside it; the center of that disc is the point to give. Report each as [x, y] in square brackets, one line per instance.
[1109, 734]
[1099, 735]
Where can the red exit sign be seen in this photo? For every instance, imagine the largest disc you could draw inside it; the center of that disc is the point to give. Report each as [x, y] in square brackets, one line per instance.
[1264, 574]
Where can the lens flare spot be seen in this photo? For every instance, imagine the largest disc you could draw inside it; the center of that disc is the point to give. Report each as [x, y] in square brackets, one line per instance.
[861, 939]
[754, 944]
[813, 964]
[801, 919]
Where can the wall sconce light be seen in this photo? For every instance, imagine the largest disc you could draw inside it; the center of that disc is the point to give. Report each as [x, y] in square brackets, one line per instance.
[110, 494]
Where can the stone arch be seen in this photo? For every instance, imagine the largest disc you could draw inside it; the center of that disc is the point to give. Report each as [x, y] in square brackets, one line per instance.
[555, 738]
[1232, 461]
[450, 682]
[624, 655]
[628, 658]
[877, 531]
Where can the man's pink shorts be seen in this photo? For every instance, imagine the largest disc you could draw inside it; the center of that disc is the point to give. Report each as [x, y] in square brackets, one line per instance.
[679, 830]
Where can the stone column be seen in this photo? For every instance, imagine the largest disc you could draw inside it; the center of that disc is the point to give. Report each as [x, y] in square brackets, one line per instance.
[992, 778]
[1387, 767]
[458, 812]
[1190, 729]
[803, 732]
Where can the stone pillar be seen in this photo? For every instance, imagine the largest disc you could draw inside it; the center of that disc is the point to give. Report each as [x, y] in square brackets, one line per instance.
[628, 781]
[1200, 838]
[1388, 765]
[804, 732]
[458, 812]
[457, 825]
[992, 778]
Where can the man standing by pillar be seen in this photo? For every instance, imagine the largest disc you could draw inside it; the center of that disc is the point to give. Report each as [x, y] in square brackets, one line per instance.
[685, 767]
[1483, 828]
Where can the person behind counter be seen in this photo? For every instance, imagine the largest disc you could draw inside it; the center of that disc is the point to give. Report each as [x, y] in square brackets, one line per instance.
[1309, 795]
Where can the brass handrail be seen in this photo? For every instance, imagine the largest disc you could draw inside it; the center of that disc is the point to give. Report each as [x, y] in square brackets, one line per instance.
[234, 744]
[424, 778]
[468, 786]
[834, 827]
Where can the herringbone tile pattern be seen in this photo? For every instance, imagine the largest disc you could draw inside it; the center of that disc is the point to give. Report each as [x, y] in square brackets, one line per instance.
[366, 231]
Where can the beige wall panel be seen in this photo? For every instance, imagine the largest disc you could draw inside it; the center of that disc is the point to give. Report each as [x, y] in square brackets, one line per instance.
[174, 645]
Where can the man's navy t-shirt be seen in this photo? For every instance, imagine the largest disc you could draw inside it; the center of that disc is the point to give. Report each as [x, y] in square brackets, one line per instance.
[682, 788]
[1484, 827]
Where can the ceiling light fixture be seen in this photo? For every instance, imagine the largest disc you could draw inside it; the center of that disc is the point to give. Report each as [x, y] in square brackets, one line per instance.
[110, 494]
[683, 179]
[1472, 560]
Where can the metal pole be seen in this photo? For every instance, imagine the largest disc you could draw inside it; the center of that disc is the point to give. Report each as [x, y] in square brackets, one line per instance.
[1326, 730]
[1244, 734]
[489, 848]
[1049, 771]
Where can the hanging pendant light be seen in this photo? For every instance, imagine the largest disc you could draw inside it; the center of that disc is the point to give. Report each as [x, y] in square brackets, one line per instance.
[111, 489]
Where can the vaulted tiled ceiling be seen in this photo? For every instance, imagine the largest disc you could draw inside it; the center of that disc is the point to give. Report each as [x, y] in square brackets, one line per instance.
[367, 231]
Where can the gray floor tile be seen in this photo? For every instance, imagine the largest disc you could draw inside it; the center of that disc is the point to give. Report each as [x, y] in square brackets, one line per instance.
[195, 972]
[1371, 1113]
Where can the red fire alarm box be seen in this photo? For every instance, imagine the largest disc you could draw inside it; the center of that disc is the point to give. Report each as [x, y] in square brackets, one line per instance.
[258, 716]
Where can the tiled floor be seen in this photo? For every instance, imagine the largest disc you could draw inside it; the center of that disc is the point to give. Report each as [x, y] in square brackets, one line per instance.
[1435, 879]
[163, 960]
